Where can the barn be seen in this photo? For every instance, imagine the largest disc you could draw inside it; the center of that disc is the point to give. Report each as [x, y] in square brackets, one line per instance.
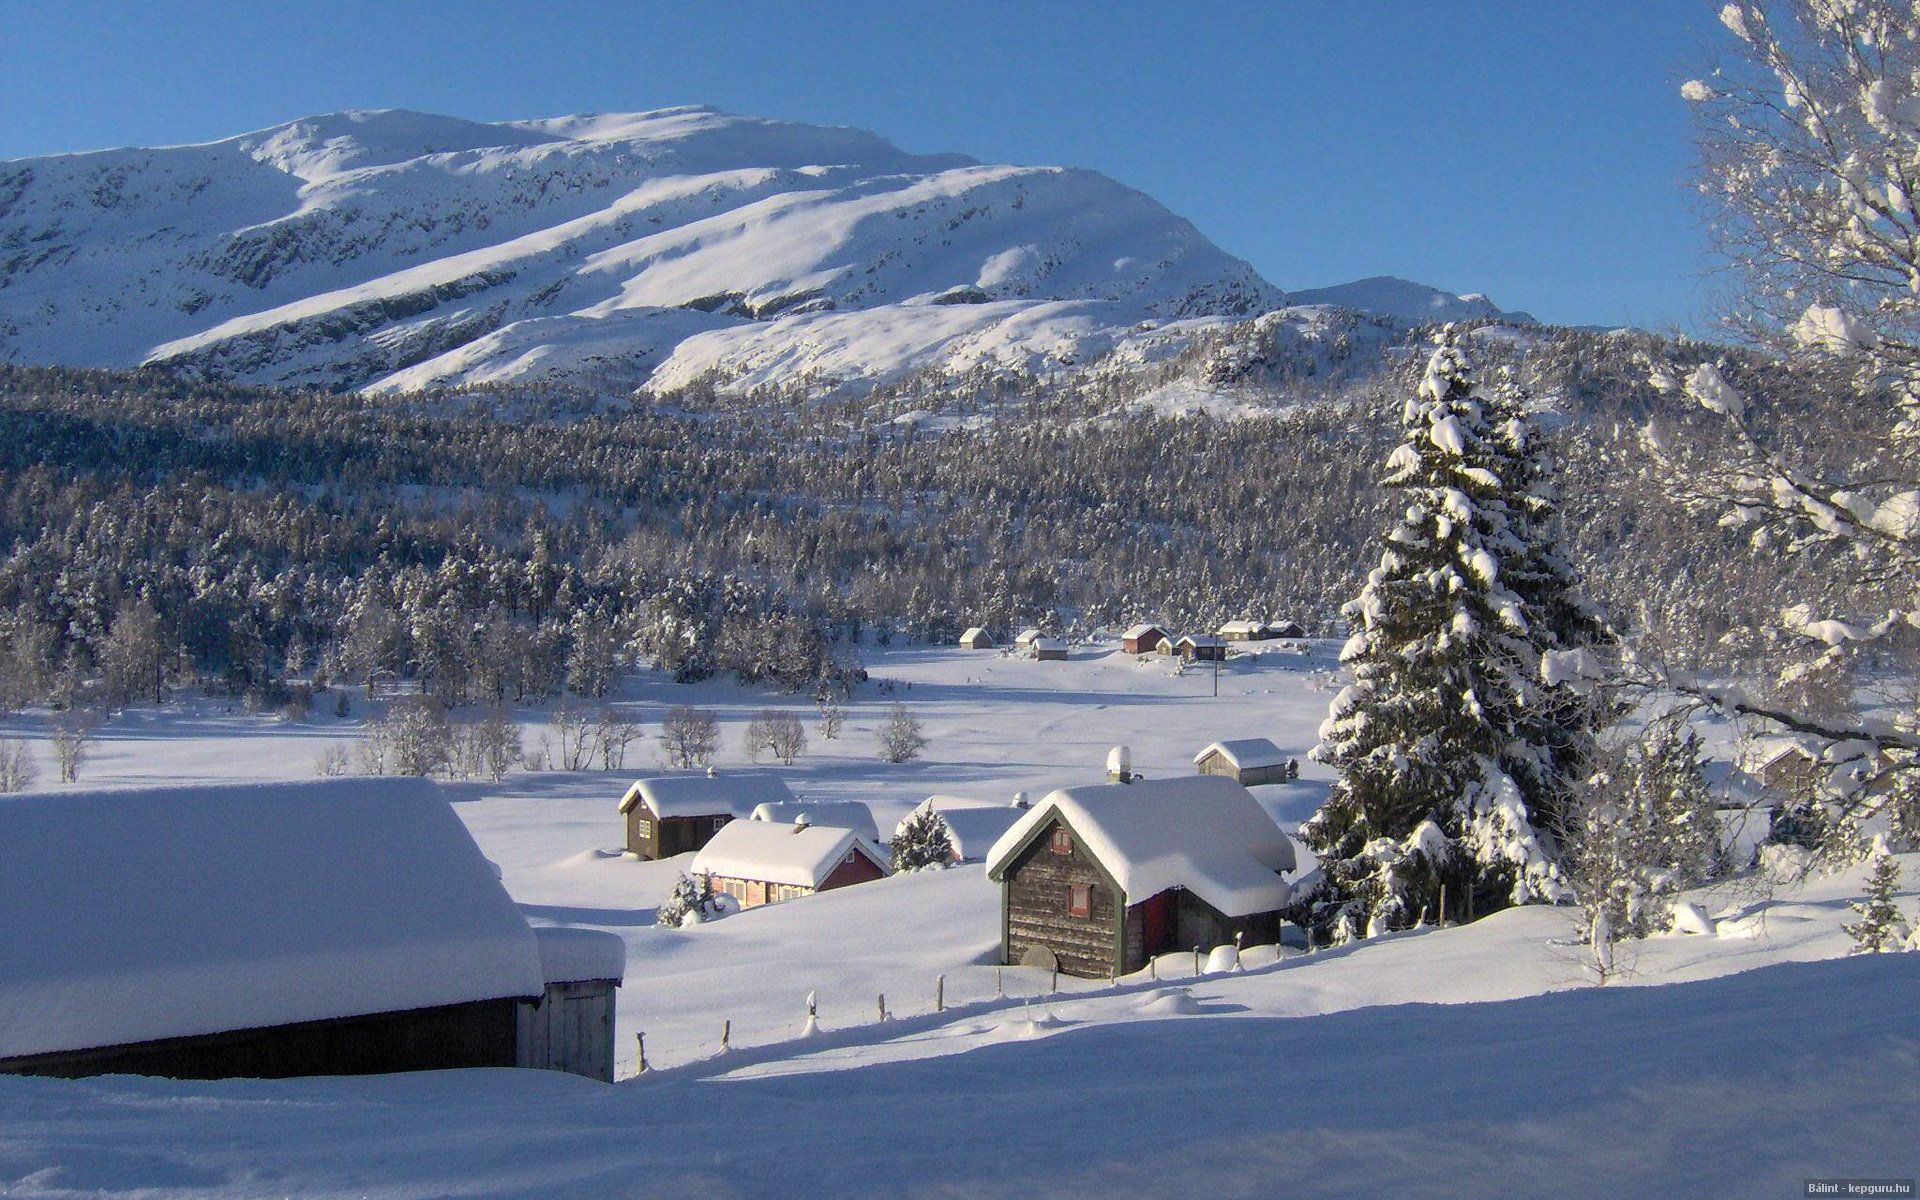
[1201, 648]
[1096, 880]
[834, 814]
[973, 825]
[1143, 639]
[1050, 649]
[759, 862]
[330, 927]
[976, 639]
[677, 813]
[1247, 761]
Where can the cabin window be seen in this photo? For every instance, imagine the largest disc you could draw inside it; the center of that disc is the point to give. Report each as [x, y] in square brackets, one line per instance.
[1079, 900]
[1062, 842]
[643, 827]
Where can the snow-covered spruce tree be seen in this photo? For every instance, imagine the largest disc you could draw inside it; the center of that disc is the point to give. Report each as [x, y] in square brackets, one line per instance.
[1878, 928]
[922, 839]
[1469, 713]
[692, 901]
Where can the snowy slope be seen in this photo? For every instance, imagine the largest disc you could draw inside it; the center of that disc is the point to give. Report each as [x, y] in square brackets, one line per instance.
[398, 249]
[1408, 301]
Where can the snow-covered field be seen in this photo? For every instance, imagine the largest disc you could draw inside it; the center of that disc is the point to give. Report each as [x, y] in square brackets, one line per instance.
[1464, 1061]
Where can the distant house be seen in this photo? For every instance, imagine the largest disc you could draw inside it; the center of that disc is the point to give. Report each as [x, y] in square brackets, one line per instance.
[1247, 761]
[331, 927]
[1143, 639]
[759, 862]
[1096, 880]
[976, 639]
[1050, 649]
[973, 825]
[1790, 767]
[836, 814]
[1244, 631]
[1285, 629]
[1200, 647]
[1027, 637]
[674, 814]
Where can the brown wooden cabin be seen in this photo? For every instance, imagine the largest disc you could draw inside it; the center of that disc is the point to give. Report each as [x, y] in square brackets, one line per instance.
[1049, 649]
[1249, 762]
[333, 927]
[1096, 880]
[761, 862]
[1243, 631]
[1143, 639]
[1202, 648]
[976, 639]
[679, 813]
[1285, 629]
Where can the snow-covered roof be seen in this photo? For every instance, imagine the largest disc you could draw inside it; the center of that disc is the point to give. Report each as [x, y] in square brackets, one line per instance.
[1205, 833]
[838, 814]
[1246, 627]
[975, 825]
[972, 633]
[1140, 631]
[1763, 752]
[1245, 753]
[802, 855]
[699, 794]
[138, 914]
[1049, 643]
[1026, 635]
[1199, 639]
[569, 955]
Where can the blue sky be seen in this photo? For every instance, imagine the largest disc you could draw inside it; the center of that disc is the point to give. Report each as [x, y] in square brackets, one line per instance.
[1537, 152]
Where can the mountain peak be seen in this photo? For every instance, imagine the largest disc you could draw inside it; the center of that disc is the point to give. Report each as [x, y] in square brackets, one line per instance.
[1391, 296]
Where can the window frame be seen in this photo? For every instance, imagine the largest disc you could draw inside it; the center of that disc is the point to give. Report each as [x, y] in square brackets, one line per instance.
[1080, 900]
[1061, 840]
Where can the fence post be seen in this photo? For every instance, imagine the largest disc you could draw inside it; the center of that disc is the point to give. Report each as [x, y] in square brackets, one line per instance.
[883, 1006]
[1236, 951]
[1153, 967]
[940, 994]
[1000, 982]
[726, 1035]
[1196, 962]
[1056, 980]
[640, 1040]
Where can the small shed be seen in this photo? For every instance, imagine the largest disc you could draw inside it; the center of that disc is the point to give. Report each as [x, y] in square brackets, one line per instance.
[976, 639]
[834, 814]
[1096, 880]
[1027, 637]
[1201, 647]
[1050, 649]
[973, 825]
[678, 813]
[759, 862]
[328, 927]
[1244, 631]
[1143, 639]
[1247, 761]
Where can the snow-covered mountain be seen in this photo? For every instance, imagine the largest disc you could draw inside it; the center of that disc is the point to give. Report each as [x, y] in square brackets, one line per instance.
[386, 249]
[1408, 301]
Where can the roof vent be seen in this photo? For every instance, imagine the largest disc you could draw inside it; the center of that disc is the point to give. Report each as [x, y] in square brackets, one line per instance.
[801, 822]
[1120, 765]
[711, 772]
[1019, 799]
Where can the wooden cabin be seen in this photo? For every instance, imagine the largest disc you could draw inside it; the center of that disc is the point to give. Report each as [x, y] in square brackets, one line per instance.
[1249, 762]
[1096, 880]
[759, 862]
[1285, 629]
[832, 814]
[1144, 639]
[1200, 648]
[1027, 637]
[1789, 766]
[1243, 631]
[679, 813]
[330, 927]
[976, 639]
[1049, 649]
[973, 826]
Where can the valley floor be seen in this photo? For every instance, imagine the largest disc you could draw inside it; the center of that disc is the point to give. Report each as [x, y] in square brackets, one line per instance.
[1466, 1061]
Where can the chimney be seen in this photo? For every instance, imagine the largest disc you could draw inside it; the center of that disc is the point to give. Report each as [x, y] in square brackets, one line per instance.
[1019, 799]
[801, 822]
[1119, 765]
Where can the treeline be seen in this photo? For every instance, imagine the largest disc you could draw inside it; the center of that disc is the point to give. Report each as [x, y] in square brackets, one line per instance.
[513, 543]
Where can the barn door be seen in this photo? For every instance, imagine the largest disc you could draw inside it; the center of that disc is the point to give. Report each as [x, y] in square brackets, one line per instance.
[1156, 924]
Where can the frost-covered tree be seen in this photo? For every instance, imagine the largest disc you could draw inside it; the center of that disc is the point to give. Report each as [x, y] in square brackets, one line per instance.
[1470, 701]
[1879, 926]
[689, 736]
[1810, 148]
[692, 901]
[922, 839]
[900, 735]
[17, 767]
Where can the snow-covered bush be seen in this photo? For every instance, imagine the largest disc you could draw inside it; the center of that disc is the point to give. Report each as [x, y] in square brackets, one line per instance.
[692, 901]
[922, 840]
[17, 767]
[900, 736]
